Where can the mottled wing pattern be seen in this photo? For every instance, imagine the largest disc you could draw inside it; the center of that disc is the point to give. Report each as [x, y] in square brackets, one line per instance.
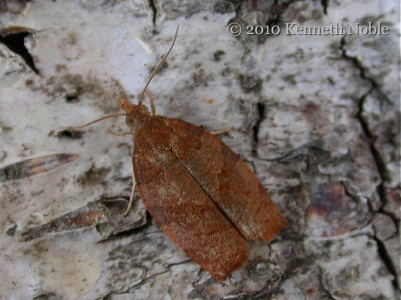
[227, 180]
[180, 206]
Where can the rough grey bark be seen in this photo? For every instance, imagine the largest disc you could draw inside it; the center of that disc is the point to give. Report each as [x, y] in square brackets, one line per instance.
[315, 115]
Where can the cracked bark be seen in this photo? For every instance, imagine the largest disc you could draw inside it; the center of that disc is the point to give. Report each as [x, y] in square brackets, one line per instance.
[364, 124]
[379, 161]
[261, 108]
[154, 11]
[312, 115]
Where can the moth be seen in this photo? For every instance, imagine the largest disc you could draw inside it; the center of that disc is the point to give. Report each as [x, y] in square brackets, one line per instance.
[198, 191]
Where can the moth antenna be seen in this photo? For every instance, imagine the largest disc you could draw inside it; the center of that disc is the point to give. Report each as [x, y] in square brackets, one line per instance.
[152, 103]
[140, 98]
[95, 121]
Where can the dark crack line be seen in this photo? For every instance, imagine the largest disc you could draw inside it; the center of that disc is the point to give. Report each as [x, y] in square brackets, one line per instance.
[184, 262]
[261, 109]
[387, 260]
[325, 4]
[152, 5]
[380, 164]
[361, 68]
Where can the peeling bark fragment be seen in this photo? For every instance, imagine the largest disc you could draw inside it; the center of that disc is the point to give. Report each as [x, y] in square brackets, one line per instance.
[14, 39]
[332, 212]
[106, 215]
[35, 166]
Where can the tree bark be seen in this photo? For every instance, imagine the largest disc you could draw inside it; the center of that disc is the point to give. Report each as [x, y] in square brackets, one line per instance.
[309, 91]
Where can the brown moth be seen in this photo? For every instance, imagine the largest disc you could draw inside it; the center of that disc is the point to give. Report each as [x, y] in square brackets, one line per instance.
[198, 191]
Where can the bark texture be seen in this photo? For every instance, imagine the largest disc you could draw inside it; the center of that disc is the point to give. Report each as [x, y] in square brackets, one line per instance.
[315, 115]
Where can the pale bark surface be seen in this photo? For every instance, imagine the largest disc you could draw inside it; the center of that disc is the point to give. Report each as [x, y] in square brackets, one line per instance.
[316, 116]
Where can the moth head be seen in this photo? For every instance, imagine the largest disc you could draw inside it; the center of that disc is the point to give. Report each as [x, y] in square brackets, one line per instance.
[130, 122]
[137, 114]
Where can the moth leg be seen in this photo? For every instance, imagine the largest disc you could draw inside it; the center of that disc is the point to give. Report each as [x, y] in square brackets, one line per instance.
[124, 135]
[152, 103]
[218, 132]
[131, 201]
